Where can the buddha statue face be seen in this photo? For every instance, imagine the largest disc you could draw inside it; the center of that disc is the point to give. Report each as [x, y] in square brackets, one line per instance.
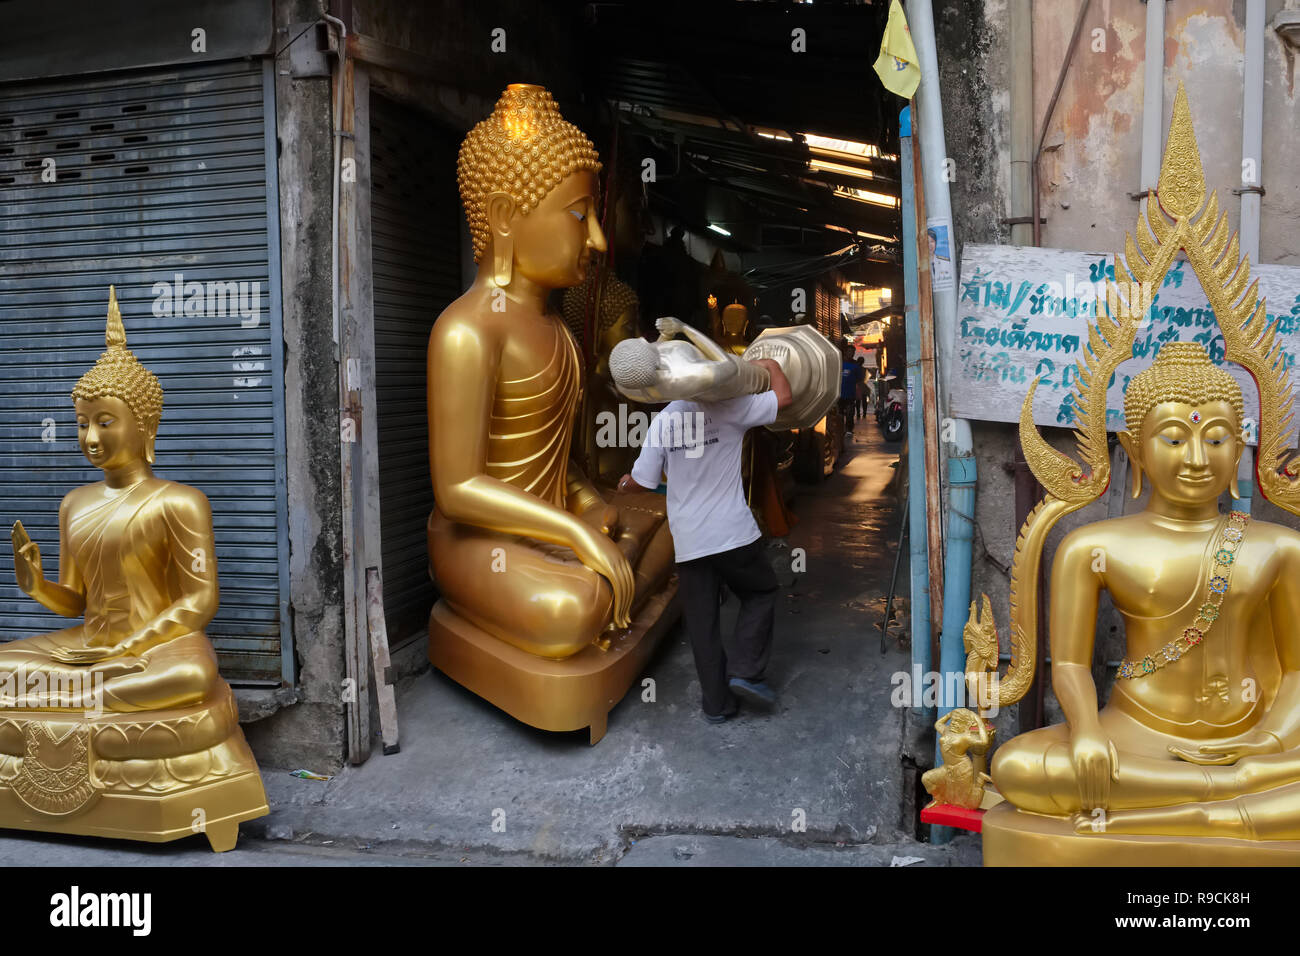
[552, 245]
[1190, 452]
[115, 393]
[734, 319]
[109, 434]
[1185, 419]
[528, 182]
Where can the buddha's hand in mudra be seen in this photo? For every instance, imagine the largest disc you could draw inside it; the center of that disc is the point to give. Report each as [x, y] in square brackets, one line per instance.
[1257, 743]
[597, 550]
[27, 560]
[1095, 765]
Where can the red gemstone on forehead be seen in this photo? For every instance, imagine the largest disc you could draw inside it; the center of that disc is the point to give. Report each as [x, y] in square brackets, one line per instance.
[1196, 416]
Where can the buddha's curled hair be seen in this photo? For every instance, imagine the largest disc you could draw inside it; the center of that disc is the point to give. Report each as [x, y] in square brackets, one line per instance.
[119, 374]
[524, 148]
[1182, 372]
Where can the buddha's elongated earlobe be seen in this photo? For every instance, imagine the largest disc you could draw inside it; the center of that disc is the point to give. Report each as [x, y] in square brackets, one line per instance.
[1134, 463]
[148, 449]
[1232, 485]
[499, 210]
[503, 257]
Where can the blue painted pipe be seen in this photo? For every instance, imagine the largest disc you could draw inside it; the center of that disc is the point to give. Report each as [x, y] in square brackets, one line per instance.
[957, 583]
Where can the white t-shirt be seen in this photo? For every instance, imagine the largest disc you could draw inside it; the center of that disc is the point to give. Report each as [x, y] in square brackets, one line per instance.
[697, 445]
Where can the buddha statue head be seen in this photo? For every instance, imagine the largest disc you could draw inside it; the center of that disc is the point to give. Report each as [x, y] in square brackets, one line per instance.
[118, 401]
[617, 312]
[1184, 417]
[735, 319]
[528, 181]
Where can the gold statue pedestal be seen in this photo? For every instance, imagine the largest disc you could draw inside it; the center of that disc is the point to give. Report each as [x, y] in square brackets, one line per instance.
[552, 695]
[138, 776]
[1013, 837]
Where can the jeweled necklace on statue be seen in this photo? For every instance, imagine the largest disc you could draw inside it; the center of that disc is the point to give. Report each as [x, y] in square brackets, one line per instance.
[1225, 554]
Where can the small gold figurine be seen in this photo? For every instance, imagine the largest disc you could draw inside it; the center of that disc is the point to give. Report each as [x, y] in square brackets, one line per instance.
[121, 726]
[964, 740]
[1195, 758]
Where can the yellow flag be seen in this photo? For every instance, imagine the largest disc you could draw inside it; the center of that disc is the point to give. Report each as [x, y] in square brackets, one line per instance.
[896, 65]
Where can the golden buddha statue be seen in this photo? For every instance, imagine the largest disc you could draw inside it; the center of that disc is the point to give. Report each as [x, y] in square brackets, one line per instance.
[1195, 758]
[617, 317]
[121, 725]
[552, 597]
[735, 323]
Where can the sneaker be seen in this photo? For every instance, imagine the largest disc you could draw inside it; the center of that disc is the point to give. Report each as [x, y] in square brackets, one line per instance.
[721, 718]
[754, 692]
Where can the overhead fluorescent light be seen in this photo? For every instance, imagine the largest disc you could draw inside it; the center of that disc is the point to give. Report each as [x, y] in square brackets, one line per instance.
[718, 229]
[841, 168]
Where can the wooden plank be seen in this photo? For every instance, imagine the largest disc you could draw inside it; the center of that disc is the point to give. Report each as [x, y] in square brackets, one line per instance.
[380, 660]
[929, 403]
[356, 695]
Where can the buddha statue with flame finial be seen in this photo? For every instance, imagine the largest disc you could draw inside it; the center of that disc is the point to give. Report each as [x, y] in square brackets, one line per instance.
[121, 726]
[552, 597]
[1195, 757]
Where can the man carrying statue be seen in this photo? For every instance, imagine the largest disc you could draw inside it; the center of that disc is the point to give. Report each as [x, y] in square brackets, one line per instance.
[696, 445]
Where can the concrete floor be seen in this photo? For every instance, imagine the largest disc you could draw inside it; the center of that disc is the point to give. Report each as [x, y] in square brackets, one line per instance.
[664, 787]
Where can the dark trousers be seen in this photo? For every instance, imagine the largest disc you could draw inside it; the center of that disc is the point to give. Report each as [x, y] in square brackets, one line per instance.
[847, 408]
[749, 575]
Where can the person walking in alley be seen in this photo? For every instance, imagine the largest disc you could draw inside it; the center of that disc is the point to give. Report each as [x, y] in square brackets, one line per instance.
[697, 446]
[851, 373]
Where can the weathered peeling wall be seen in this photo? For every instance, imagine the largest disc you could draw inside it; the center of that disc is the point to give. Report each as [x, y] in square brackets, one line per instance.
[1090, 165]
[311, 732]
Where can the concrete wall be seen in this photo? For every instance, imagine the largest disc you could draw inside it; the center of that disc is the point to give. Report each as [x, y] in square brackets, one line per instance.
[311, 732]
[1091, 164]
[1093, 148]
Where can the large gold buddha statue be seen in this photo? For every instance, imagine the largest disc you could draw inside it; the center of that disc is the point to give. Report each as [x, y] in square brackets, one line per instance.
[552, 597]
[121, 725]
[1195, 758]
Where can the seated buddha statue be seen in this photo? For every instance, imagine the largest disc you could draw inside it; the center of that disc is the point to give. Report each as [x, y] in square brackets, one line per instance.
[521, 544]
[1195, 756]
[1201, 735]
[136, 558]
[127, 704]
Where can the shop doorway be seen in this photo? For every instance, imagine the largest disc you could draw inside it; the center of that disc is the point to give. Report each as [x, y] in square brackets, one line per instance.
[415, 253]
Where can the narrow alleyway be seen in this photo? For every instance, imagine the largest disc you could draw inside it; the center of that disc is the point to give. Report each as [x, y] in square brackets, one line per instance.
[816, 782]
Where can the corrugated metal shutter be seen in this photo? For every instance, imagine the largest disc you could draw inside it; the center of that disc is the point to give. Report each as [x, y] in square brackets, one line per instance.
[159, 173]
[415, 251]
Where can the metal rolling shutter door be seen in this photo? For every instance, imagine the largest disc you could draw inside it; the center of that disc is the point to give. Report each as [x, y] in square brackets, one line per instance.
[159, 172]
[415, 251]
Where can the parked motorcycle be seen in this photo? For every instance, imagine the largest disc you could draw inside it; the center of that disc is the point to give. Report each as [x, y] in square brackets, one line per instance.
[894, 420]
[881, 390]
